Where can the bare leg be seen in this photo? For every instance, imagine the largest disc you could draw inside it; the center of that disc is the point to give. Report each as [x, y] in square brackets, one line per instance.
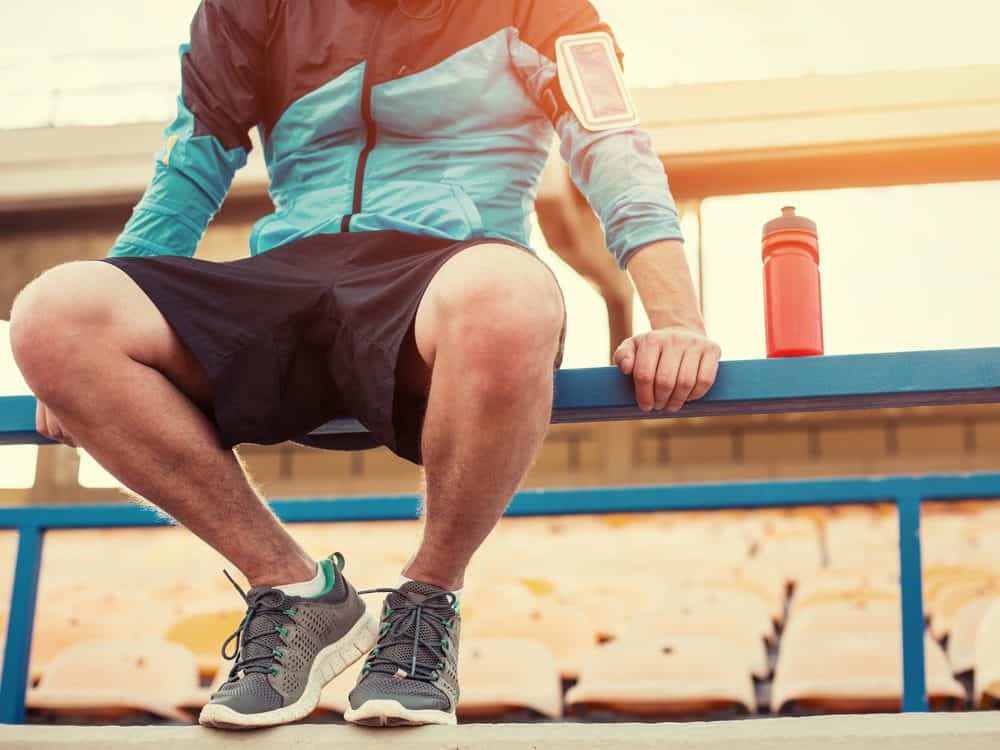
[488, 328]
[112, 373]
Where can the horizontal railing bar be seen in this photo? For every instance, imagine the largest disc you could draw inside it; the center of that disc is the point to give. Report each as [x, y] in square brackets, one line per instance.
[759, 386]
[714, 496]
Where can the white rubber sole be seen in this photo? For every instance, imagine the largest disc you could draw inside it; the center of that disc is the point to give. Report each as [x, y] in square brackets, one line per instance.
[329, 662]
[390, 713]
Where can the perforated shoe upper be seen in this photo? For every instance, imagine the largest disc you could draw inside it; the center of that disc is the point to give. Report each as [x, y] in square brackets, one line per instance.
[279, 639]
[415, 661]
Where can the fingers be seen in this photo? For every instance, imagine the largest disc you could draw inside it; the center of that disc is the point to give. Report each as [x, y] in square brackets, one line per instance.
[625, 356]
[686, 378]
[48, 426]
[669, 366]
[708, 370]
[42, 421]
[666, 374]
[65, 438]
[647, 360]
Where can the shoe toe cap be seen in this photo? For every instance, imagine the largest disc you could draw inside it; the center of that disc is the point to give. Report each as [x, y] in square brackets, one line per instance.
[415, 695]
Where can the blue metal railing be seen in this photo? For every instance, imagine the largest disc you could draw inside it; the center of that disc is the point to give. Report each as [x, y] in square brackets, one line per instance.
[759, 386]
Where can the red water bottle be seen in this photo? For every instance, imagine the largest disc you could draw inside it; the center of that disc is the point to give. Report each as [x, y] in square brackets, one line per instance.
[793, 312]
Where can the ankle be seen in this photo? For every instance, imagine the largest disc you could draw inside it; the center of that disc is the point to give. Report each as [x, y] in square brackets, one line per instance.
[447, 580]
[296, 570]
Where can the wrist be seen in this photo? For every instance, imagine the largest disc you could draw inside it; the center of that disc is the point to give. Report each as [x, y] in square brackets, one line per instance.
[686, 320]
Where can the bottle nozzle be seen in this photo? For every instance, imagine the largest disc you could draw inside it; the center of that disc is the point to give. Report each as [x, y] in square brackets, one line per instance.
[789, 220]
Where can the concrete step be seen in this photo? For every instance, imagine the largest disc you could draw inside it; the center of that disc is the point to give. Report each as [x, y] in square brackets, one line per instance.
[969, 731]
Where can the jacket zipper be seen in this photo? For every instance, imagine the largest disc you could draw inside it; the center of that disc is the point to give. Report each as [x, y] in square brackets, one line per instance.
[370, 132]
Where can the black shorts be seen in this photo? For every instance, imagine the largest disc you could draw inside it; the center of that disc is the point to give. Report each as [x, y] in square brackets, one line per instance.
[304, 333]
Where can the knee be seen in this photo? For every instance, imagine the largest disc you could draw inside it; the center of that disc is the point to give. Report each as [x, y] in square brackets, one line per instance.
[52, 322]
[505, 312]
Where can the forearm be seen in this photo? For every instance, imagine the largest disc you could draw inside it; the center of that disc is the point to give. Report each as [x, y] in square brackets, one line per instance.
[661, 276]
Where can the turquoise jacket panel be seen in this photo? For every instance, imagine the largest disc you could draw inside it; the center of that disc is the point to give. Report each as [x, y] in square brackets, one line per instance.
[373, 118]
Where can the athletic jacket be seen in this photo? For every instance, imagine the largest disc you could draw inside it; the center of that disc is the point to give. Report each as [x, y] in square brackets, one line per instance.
[426, 116]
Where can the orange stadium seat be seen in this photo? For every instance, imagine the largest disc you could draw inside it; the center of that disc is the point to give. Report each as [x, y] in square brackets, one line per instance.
[117, 677]
[501, 675]
[863, 538]
[759, 577]
[686, 675]
[74, 614]
[833, 617]
[939, 579]
[987, 659]
[951, 598]
[203, 634]
[845, 585]
[964, 630]
[847, 672]
[792, 547]
[739, 618]
[565, 631]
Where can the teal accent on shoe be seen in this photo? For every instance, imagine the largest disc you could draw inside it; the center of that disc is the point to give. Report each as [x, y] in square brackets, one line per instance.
[329, 569]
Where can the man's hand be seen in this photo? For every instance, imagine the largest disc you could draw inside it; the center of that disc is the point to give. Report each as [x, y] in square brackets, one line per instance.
[50, 427]
[670, 366]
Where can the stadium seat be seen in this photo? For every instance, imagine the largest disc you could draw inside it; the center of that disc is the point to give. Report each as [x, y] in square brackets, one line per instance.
[741, 619]
[845, 585]
[951, 598]
[964, 629]
[686, 675]
[758, 577]
[863, 538]
[833, 617]
[116, 677]
[848, 672]
[502, 675]
[792, 545]
[566, 631]
[987, 659]
[938, 580]
[72, 614]
[203, 634]
[751, 648]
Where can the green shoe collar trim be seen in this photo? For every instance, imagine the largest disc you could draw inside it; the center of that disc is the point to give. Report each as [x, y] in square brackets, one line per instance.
[330, 566]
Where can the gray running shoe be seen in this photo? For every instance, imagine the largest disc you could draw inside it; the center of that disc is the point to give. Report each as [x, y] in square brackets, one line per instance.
[287, 649]
[411, 676]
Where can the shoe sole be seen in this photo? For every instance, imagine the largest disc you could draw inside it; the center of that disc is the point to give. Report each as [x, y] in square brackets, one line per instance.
[329, 662]
[390, 713]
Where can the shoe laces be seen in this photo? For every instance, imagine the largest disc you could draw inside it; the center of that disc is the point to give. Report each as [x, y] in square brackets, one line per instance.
[254, 647]
[403, 629]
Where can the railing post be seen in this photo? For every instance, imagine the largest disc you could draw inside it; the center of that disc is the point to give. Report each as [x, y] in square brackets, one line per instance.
[912, 596]
[17, 653]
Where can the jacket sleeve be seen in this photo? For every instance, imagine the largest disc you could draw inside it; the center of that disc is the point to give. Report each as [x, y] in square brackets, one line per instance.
[208, 141]
[617, 170]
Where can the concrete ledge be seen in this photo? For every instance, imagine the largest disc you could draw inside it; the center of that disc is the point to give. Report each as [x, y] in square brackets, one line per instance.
[969, 731]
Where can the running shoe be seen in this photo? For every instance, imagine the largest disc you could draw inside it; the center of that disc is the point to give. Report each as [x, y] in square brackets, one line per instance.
[411, 676]
[286, 649]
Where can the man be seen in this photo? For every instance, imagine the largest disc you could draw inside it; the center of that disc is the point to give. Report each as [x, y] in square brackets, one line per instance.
[404, 141]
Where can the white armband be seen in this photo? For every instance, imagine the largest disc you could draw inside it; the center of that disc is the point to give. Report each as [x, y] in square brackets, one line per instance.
[592, 82]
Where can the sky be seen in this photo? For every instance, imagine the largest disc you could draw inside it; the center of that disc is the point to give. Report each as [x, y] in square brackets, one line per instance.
[903, 268]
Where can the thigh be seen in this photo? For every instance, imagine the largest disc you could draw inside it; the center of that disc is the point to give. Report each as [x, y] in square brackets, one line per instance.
[104, 299]
[470, 280]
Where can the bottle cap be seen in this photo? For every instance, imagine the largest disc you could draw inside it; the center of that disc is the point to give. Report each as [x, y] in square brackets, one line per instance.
[789, 220]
